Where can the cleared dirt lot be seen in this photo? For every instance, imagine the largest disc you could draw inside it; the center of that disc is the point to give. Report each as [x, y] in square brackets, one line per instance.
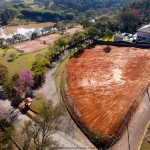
[73, 30]
[29, 46]
[50, 38]
[107, 87]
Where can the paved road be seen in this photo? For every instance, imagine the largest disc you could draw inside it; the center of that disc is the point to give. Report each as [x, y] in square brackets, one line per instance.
[70, 136]
[70, 130]
[137, 128]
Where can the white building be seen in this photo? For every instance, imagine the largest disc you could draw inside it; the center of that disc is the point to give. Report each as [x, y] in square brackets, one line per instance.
[143, 34]
[118, 37]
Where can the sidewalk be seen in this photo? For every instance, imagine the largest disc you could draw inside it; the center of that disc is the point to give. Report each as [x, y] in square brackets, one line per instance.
[137, 128]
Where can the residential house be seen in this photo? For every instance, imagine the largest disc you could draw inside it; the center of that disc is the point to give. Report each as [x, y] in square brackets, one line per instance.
[25, 102]
[143, 34]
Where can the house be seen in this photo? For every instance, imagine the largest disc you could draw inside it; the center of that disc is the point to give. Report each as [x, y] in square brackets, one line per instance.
[143, 34]
[119, 37]
[25, 102]
[28, 101]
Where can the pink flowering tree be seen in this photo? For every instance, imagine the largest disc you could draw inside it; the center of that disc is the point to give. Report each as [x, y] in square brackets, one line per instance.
[24, 83]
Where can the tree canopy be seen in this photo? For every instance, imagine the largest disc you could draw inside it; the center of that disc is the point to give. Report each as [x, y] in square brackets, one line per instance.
[3, 74]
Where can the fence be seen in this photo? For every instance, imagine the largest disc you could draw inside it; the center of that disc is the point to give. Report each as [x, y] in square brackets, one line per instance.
[99, 140]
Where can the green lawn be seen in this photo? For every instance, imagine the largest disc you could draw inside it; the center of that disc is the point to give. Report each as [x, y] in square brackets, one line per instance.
[22, 63]
[107, 39]
[37, 103]
[79, 26]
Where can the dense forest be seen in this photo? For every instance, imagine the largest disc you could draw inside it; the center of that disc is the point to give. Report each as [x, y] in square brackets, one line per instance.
[84, 5]
[121, 15]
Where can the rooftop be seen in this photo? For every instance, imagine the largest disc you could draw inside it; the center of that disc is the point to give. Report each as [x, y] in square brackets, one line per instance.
[145, 28]
[119, 35]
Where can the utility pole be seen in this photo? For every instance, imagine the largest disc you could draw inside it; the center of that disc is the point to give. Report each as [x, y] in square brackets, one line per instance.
[148, 94]
[128, 130]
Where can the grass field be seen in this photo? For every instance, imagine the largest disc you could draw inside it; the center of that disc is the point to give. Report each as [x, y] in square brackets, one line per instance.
[107, 39]
[23, 62]
[37, 104]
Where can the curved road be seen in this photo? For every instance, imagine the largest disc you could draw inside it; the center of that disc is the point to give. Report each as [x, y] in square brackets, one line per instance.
[71, 137]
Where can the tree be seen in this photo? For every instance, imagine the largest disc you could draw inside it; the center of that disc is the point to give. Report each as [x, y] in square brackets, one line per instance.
[85, 23]
[109, 34]
[90, 13]
[3, 74]
[39, 68]
[24, 83]
[12, 93]
[12, 55]
[5, 133]
[92, 32]
[61, 42]
[34, 35]
[69, 16]
[36, 134]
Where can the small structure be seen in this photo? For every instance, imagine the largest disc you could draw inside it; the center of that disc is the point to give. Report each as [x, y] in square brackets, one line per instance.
[25, 102]
[28, 101]
[143, 34]
[118, 37]
[92, 20]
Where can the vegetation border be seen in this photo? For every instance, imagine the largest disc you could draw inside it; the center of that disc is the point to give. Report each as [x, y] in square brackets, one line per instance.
[98, 140]
[124, 43]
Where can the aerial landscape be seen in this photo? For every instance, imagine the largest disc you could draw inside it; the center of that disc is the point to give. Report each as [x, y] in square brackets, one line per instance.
[74, 74]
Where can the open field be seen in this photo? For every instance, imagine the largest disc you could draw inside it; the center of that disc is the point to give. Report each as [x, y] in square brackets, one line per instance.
[50, 38]
[23, 62]
[34, 45]
[37, 104]
[106, 87]
[73, 30]
[29, 46]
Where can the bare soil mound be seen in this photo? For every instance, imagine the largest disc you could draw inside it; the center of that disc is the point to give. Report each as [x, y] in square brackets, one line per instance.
[106, 87]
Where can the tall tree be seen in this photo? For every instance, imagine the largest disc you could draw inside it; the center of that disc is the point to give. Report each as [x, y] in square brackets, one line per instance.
[24, 83]
[39, 68]
[37, 134]
[3, 74]
[93, 32]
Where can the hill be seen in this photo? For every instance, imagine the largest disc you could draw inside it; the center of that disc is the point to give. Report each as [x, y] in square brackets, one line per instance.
[84, 5]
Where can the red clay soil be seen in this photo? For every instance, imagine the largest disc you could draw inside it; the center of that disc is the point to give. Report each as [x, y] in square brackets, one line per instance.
[106, 86]
[50, 38]
[29, 46]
